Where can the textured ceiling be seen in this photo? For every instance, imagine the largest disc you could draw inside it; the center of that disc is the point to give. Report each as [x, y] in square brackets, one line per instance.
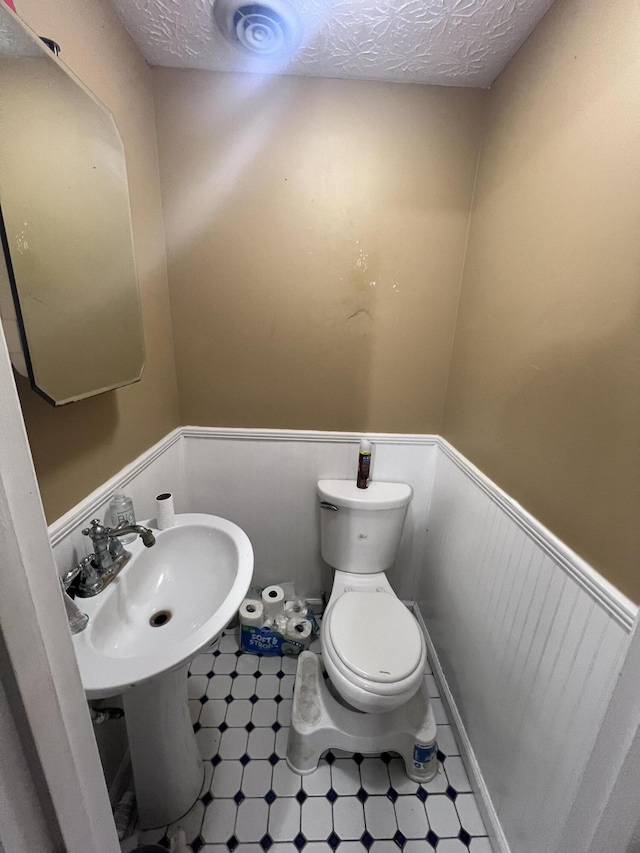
[444, 42]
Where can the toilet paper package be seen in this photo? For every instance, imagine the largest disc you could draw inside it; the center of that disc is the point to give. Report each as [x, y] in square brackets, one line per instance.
[268, 641]
[273, 621]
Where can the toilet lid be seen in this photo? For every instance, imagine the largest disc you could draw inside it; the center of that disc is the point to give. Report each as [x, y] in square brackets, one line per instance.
[375, 636]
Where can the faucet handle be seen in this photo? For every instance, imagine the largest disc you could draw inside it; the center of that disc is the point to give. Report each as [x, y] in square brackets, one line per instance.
[83, 566]
[96, 529]
[90, 581]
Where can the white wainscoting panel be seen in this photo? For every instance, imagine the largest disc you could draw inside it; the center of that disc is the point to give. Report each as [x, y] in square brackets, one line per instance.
[527, 639]
[265, 481]
[158, 469]
[530, 640]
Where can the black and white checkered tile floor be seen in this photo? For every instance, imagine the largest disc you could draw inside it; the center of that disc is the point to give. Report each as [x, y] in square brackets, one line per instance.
[252, 803]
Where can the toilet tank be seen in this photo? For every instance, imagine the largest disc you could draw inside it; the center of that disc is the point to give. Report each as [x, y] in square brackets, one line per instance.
[360, 529]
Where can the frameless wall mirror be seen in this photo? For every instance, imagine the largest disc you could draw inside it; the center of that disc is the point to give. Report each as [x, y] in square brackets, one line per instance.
[68, 274]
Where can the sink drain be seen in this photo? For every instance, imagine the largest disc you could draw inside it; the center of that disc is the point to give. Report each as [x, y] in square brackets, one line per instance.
[160, 618]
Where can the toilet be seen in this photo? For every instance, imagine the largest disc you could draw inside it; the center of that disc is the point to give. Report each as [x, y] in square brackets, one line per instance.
[373, 650]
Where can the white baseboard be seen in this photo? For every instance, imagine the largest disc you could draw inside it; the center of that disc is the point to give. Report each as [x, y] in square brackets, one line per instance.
[483, 798]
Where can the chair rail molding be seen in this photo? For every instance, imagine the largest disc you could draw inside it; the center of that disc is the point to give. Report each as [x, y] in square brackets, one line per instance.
[621, 608]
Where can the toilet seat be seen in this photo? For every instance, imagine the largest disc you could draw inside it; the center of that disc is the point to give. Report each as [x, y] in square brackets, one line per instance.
[347, 629]
[375, 636]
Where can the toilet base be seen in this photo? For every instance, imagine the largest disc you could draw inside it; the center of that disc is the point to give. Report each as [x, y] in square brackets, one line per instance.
[319, 723]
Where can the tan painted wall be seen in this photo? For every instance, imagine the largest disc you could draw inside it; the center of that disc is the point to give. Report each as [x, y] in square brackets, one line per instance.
[544, 393]
[315, 237]
[284, 201]
[77, 447]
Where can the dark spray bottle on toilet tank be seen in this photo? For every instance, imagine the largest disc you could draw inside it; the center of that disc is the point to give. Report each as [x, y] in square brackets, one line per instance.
[364, 464]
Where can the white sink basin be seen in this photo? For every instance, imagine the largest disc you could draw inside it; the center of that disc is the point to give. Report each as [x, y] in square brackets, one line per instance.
[190, 584]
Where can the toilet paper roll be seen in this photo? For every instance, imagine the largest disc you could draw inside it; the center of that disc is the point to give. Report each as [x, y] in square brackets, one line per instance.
[298, 629]
[273, 600]
[165, 510]
[251, 613]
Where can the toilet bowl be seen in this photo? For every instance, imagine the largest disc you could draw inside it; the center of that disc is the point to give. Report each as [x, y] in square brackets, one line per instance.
[373, 650]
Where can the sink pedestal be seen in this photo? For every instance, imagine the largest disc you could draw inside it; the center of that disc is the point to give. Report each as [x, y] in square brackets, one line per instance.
[167, 768]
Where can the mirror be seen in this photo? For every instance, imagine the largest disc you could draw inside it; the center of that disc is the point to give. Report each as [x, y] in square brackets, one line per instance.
[65, 224]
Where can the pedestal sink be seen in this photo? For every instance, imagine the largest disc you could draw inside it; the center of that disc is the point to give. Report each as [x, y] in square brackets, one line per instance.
[167, 604]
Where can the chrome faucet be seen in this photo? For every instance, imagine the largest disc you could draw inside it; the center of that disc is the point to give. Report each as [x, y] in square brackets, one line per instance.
[109, 555]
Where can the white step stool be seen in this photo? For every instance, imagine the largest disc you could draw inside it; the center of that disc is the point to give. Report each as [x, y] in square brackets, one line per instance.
[319, 722]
